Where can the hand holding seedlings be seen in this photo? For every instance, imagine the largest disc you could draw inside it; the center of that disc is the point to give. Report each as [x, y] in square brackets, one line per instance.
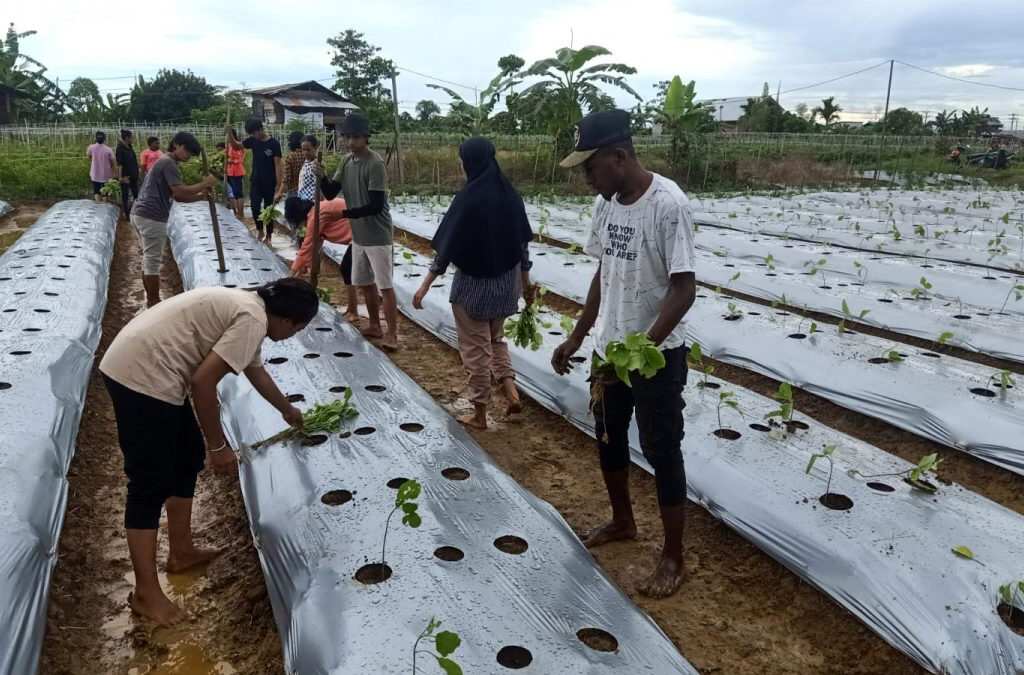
[322, 418]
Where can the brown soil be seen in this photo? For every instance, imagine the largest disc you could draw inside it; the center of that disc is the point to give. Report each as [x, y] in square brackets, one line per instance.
[739, 612]
[89, 626]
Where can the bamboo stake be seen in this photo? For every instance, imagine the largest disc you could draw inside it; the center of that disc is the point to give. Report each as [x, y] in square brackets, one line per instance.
[314, 265]
[213, 215]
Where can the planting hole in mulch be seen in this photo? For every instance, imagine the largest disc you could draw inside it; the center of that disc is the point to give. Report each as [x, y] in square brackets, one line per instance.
[989, 278]
[885, 300]
[311, 355]
[336, 497]
[598, 640]
[553, 332]
[449, 554]
[1012, 616]
[364, 431]
[984, 314]
[514, 657]
[31, 330]
[727, 434]
[931, 355]
[42, 311]
[836, 501]
[753, 313]
[770, 274]
[825, 287]
[798, 336]
[325, 329]
[6, 311]
[5, 385]
[295, 398]
[881, 487]
[315, 439]
[230, 285]
[337, 390]
[396, 483]
[962, 317]
[376, 388]
[20, 352]
[982, 391]
[51, 294]
[411, 427]
[455, 473]
[343, 355]
[793, 425]
[930, 487]
[374, 573]
[732, 317]
[708, 385]
[759, 427]
[878, 360]
[512, 544]
[578, 359]
[277, 360]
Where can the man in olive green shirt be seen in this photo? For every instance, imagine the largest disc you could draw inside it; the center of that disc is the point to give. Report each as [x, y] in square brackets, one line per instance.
[362, 178]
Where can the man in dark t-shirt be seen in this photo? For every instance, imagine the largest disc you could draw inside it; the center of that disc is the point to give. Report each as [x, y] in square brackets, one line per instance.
[266, 171]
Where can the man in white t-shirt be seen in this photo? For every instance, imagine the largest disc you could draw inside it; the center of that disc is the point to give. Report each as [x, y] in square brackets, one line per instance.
[642, 234]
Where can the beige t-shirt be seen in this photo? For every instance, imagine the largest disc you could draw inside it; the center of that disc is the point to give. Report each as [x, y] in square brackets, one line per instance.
[157, 353]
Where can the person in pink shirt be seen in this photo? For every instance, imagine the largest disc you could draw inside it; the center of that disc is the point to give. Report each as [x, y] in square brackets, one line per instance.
[336, 229]
[149, 156]
[104, 166]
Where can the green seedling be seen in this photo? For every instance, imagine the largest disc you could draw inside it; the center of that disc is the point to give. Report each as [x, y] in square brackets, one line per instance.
[1006, 380]
[445, 643]
[408, 256]
[896, 234]
[1016, 290]
[728, 399]
[405, 501]
[734, 312]
[697, 359]
[269, 215]
[915, 474]
[921, 290]
[322, 418]
[573, 248]
[826, 453]
[1008, 595]
[785, 398]
[637, 353]
[769, 262]
[523, 330]
[324, 294]
[944, 337]
[111, 189]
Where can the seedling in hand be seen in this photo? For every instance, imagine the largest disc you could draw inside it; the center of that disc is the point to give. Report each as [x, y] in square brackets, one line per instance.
[324, 294]
[405, 501]
[523, 330]
[322, 418]
[445, 643]
[637, 353]
[269, 215]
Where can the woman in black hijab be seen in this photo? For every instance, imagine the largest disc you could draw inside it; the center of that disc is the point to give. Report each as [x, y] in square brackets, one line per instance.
[485, 235]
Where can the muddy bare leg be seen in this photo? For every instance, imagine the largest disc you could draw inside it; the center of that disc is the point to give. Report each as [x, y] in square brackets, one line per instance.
[183, 554]
[622, 525]
[148, 599]
[670, 572]
[151, 282]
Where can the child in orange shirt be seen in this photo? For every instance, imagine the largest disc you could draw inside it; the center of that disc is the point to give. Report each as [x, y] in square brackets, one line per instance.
[336, 229]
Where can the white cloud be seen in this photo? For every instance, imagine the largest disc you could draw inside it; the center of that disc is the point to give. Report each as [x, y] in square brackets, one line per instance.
[969, 70]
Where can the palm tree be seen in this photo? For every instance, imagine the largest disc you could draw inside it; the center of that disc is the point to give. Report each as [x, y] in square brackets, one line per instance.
[828, 111]
[568, 87]
[472, 118]
[25, 75]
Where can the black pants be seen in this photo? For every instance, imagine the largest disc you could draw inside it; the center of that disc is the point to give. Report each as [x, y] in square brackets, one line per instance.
[163, 452]
[132, 186]
[346, 266]
[659, 416]
[261, 195]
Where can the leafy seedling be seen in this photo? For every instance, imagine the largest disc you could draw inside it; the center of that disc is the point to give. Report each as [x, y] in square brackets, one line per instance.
[523, 330]
[944, 337]
[269, 215]
[728, 399]
[921, 290]
[637, 353]
[698, 362]
[573, 248]
[915, 474]
[405, 501]
[324, 294]
[1008, 594]
[785, 398]
[1006, 380]
[1016, 290]
[322, 418]
[567, 324]
[408, 256]
[734, 312]
[445, 643]
[826, 453]
[111, 189]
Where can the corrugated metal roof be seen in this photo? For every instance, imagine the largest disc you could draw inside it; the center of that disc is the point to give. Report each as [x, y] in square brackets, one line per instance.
[726, 109]
[312, 100]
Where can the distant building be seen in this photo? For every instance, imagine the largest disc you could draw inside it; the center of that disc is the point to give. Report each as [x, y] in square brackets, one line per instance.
[7, 96]
[728, 111]
[309, 101]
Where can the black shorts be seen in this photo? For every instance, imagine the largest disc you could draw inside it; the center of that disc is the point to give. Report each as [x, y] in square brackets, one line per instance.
[163, 452]
[346, 266]
[96, 187]
[236, 187]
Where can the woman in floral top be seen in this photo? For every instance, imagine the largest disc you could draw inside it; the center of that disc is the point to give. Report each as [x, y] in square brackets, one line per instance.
[485, 234]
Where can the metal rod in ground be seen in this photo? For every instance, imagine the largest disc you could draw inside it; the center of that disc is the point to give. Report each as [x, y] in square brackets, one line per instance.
[314, 265]
[398, 143]
[881, 142]
[213, 214]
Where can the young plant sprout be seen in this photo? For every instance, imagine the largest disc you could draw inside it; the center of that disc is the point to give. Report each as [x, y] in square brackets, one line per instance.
[826, 453]
[1008, 594]
[268, 215]
[921, 290]
[849, 314]
[734, 312]
[697, 359]
[322, 418]
[573, 247]
[408, 256]
[727, 398]
[445, 643]
[944, 337]
[324, 294]
[406, 501]
[1016, 289]
[914, 474]
[1006, 380]
[785, 398]
[637, 353]
[567, 323]
[523, 330]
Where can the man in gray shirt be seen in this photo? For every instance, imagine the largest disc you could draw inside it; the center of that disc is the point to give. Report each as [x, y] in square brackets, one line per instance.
[362, 178]
[153, 207]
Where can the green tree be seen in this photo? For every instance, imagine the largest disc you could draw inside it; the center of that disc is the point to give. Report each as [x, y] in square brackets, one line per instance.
[171, 96]
[40, 98]
[472, 118]
[974, 121]
[510, 64]
[360, 74]
[235, 100]
[904, 122]
[828, 111]
[945, 123]
[427, 109]
[83, 95]
[568, 86]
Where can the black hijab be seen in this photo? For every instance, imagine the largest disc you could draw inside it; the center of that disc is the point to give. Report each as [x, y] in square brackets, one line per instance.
[485, 228]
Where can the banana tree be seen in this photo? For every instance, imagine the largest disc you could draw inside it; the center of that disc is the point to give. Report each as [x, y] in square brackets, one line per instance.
[36, 95]
[472, 118]
[567, 86]
[682, 118]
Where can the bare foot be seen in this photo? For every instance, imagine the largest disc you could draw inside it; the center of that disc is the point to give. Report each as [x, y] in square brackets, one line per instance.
[372, 332]
[515, 406]
[194, 558]
[352, 317]
[390, 343]
[158, 609]
[609, 532]
[472, 420]
[666, 580]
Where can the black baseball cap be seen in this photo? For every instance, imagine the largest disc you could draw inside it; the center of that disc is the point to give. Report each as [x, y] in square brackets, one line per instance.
[355, 125]
[595, 131]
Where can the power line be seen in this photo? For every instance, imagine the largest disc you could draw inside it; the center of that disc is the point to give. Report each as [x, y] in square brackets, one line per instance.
[438, 79]
[834, 79]
[958, 79]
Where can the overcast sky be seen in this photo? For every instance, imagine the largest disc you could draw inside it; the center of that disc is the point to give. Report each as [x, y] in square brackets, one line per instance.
[730, 47]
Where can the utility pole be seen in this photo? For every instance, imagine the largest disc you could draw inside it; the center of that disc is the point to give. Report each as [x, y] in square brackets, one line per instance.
[1013, 121]
[398, 145]
[881, 142]
[778, 100]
